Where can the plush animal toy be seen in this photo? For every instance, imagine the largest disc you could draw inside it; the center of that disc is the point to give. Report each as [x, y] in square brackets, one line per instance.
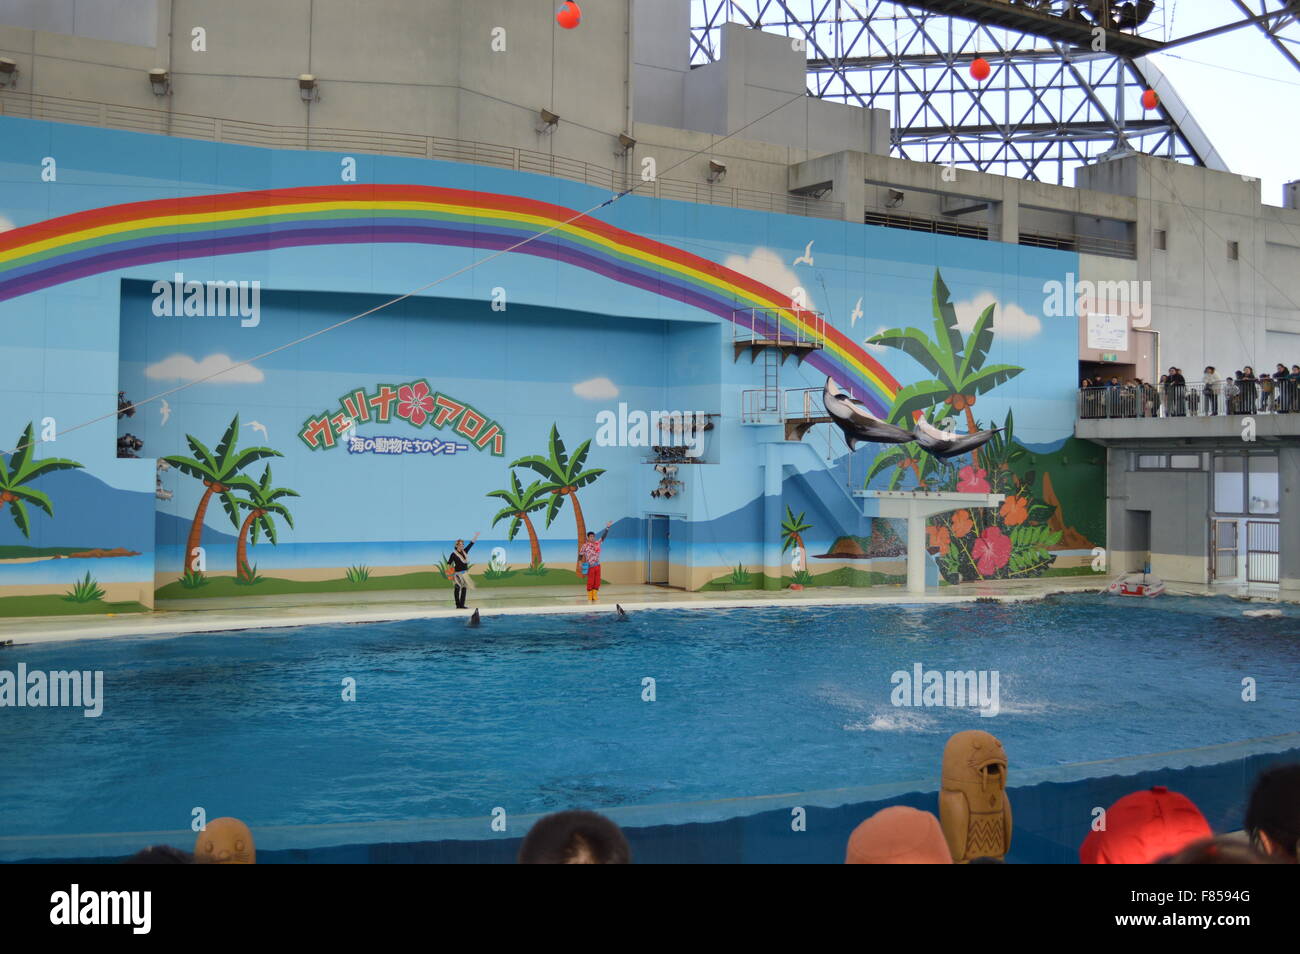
[225, 841]
[973, 806]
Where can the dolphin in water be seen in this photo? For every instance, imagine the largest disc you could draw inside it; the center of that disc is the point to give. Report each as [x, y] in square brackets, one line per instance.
[474, 620]
[945, 444]
[622, 613]
[850, 416]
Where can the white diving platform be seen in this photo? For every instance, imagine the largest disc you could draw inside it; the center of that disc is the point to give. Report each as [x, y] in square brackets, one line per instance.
[917, 506]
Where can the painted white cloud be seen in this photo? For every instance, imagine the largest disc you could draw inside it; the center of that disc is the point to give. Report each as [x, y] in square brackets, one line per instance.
[181, 367]
[596, 389]
[1009, 321]
[766, 266]
[5, 224]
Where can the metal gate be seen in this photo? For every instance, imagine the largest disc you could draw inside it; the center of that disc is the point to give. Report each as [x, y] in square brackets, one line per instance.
[1261, 551]
[1224, 550]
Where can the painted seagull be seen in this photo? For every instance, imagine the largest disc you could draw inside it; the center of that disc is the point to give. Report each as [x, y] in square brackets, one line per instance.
[850, 416]
[945, 444]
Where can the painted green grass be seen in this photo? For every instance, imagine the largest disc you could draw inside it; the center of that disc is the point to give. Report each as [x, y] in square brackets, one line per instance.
[551, 576]
[845, 576]
[221, 586]
[17, 552]
[55, 605]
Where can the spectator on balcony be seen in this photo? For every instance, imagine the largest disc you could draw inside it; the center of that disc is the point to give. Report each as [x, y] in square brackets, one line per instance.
[1293, 390]
[1114, 397]
[1213, 384]
[1150, 399]
[1249, 390]
[1267, 394]
[1175, 391]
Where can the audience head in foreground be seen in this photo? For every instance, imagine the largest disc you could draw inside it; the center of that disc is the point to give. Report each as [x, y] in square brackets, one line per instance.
[575, 838]
[1143, 827]
[898, 835]
[1224, 850]
[1273, 815]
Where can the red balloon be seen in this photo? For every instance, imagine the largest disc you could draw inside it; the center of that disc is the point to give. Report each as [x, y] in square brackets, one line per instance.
[980, 68]
[569, 15]
[1150, 100]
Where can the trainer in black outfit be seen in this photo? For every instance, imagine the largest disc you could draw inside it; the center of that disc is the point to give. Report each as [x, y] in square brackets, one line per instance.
[459, 563]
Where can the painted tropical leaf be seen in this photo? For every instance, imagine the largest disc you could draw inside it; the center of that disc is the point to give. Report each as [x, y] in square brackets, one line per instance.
[978, 342]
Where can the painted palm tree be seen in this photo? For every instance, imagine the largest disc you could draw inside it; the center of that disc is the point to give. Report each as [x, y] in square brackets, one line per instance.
[562, 476]
[261, 504]
[20, 471]
[792, 530]
[221, 475]
[520, 501]
[956, 361]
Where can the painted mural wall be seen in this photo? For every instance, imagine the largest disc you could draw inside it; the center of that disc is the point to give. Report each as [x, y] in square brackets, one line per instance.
[295, 429]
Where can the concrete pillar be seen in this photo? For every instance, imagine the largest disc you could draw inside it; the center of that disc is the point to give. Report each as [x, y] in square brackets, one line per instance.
[773, 511]
[1288, 478]
[915, 551]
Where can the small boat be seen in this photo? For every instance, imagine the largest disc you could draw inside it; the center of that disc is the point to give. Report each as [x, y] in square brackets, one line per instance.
[1137, 584]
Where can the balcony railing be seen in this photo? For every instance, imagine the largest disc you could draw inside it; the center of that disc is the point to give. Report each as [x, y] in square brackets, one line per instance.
[324, 138]
[1196, 399]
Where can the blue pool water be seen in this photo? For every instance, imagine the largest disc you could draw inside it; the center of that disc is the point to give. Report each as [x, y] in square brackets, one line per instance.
[535, 713]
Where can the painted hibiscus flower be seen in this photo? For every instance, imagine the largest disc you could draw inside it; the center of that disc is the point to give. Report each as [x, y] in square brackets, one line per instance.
[1014, 510]
[972, 480]
[962, 523]
[991, 551]
[939, 537]
[414, 402]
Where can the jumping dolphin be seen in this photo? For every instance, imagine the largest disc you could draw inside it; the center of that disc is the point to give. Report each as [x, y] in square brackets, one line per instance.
[945, 444]
[474, 621]
[622, 613]
[850, 416]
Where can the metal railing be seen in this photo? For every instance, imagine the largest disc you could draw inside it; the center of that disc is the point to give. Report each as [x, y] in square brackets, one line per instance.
[1076, 242]
[764, 326]
[774, 405]
[323, 138]
[1196, 399]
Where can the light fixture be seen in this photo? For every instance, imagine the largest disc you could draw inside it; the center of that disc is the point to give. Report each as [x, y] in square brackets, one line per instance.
[8, 71]
[160, 80]
[546, 121]
[307, 88]
[717, 171]
[895, 199]
[627, 142]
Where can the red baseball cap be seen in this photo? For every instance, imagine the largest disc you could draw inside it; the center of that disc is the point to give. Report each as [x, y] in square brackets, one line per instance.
[1143, 827]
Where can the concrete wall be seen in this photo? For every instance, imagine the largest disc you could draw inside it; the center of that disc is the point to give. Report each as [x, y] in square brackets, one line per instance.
[121, 21]
[1209, 308]
[426, 68]
[1179, 539]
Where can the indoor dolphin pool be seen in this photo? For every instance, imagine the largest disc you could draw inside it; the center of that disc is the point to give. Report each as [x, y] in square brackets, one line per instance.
[535, 713]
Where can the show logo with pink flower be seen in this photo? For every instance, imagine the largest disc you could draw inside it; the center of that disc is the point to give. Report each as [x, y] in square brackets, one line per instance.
[414, 402]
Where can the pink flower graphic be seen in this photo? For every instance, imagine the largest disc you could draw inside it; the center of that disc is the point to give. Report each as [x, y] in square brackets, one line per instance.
[971, 480]
[991, 551]
[414, 402]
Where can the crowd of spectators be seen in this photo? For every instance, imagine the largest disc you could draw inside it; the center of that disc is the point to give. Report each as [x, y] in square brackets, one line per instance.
[1151, 826]
[1243, 392]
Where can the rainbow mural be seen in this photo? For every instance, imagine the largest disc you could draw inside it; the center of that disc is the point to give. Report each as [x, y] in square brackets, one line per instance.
[96, 241]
